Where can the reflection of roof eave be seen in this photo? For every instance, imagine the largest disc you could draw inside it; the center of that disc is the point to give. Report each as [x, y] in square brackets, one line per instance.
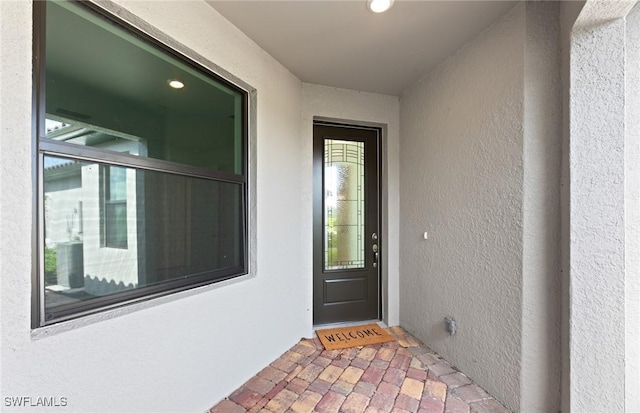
[72, 168]
[67, 164]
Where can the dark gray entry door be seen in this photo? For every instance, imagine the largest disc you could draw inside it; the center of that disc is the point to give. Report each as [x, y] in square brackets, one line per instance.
[346, 236]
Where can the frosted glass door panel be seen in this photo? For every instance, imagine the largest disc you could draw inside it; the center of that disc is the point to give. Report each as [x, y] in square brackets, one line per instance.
[343, 204]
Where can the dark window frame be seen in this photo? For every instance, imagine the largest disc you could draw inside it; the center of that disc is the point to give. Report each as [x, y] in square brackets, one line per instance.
[43, 146]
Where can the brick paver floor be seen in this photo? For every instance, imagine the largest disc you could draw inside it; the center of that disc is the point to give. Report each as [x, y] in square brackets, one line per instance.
[399, 376]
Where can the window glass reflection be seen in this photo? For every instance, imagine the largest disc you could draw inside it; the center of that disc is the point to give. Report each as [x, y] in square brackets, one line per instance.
[136, 229]
[99, 96]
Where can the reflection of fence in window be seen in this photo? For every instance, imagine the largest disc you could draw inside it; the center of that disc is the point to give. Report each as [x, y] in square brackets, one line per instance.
[344, 204]
[114, 206]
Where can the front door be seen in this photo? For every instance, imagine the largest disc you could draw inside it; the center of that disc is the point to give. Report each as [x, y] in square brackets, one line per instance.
[346, 235]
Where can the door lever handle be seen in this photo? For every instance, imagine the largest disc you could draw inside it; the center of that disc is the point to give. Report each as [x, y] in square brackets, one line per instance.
[374, 248]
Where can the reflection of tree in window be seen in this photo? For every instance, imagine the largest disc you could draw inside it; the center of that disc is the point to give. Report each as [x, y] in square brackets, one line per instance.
[114, 213]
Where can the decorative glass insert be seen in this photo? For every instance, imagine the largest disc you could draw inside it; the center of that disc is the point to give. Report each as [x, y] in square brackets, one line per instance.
[343, 204]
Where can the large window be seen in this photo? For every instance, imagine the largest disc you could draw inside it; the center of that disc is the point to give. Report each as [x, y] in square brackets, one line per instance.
[142, 166]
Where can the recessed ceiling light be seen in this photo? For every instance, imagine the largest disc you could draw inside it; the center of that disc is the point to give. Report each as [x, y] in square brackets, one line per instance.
[176, 84]
[379, 6]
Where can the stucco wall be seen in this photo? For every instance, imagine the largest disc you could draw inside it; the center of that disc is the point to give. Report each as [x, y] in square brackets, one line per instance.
[179, 353]
[632, 212]
[359, 108]
[480, 172]
[597, 208]
[569, 11]
[542, 152]
[461, 180]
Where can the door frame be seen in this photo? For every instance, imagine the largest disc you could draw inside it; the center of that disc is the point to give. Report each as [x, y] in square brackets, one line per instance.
[382, 244]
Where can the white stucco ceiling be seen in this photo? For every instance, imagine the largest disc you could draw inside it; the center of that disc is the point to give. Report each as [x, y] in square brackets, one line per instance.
[342, 44]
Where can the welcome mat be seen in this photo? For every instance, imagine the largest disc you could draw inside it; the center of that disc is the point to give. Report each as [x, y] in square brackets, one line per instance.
[345, 337]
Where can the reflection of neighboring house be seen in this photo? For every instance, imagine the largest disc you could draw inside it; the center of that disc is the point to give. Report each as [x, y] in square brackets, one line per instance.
[63, 188]
[91, 215]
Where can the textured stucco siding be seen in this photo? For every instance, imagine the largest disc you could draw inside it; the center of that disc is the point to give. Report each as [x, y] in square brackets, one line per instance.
[462, 181]
[569, 12]
[596, 205]
[542, 151]
[632, 212]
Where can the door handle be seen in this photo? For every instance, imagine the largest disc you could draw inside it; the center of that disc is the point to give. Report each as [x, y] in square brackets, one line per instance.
[374, 248]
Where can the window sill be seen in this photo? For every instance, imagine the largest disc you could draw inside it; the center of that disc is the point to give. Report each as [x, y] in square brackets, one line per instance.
[69, 325]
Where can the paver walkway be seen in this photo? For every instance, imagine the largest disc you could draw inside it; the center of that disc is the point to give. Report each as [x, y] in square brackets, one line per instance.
[399, 376]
